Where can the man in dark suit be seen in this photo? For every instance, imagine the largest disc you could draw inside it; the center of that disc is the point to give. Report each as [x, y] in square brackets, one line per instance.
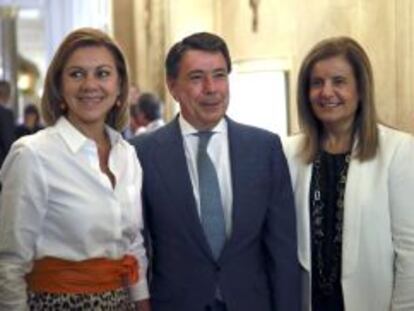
[7, 125]
[217, 197]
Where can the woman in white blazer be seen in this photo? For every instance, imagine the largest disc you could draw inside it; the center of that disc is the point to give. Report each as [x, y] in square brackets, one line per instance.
[354, 187]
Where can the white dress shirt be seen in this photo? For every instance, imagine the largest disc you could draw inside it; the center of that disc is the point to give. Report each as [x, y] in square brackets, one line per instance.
[154, 125]
[56, 202]
[151, 127]
[218, 151]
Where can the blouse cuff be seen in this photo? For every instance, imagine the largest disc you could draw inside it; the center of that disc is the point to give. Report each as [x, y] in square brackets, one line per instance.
[139, 291]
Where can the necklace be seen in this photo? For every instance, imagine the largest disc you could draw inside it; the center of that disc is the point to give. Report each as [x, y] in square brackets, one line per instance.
[327, 266]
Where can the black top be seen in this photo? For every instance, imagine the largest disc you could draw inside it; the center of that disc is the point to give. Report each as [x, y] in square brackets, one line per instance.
[326, 219]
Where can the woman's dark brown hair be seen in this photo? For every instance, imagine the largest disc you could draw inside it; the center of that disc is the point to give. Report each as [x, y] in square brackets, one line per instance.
[365, 124]
[52, 98]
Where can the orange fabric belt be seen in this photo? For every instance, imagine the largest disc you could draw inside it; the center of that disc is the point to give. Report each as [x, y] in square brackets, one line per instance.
[53, 275]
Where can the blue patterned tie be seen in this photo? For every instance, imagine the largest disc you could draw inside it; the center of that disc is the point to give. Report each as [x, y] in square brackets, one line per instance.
[211, 208]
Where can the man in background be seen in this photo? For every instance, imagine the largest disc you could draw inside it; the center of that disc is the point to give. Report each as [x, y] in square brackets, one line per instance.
[135, 127]
[7, 124]
[149, 112]
[31, 122]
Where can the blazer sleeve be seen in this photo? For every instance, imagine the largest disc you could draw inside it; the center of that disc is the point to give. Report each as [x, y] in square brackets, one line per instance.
[401, 200]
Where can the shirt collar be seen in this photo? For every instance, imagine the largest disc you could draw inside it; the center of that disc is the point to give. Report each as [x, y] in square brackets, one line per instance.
[187, 129]
[75, 139]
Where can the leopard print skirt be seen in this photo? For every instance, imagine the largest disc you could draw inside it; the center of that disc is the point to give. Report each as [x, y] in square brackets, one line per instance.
[117, 300]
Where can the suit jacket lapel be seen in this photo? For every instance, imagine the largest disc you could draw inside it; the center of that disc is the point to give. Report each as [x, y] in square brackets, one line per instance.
[236, 169]
[238, 165]
[172, 163]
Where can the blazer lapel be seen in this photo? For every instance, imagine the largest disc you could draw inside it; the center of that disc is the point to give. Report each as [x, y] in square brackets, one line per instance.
[352, 216]
[302, 188]
[172, 163]
[354, 200]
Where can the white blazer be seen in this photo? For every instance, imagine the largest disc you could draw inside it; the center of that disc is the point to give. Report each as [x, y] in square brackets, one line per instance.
[378, 229]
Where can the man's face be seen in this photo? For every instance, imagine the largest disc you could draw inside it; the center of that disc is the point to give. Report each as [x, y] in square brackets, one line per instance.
[201, 88]
[30, 120]
[4, 94]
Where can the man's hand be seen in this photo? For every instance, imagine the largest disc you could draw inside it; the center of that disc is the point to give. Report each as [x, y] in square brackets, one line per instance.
[143, 305]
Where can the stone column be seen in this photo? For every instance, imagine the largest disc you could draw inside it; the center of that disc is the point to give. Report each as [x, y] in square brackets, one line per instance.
[8, 52]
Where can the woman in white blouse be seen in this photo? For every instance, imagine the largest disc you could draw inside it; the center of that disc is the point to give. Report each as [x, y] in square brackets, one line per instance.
[70, 216]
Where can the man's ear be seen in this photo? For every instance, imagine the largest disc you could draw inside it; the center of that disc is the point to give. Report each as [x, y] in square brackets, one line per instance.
[171, 82]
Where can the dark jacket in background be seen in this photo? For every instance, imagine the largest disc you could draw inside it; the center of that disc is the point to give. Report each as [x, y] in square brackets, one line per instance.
[22, 130]
[7, 129]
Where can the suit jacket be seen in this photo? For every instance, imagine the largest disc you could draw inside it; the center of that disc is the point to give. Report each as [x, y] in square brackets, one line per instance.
[258, 268]
[6, 132]
[378, 227]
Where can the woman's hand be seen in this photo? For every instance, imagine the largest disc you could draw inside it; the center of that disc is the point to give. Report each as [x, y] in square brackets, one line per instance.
[143, 305]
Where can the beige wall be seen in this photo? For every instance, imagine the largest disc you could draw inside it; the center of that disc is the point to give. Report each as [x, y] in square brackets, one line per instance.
[404, 81]
[147, 28]
[184, 17]
[287, 30]
[123, 30]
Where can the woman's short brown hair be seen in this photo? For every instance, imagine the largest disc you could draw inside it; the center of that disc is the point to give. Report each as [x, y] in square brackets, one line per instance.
[52, 98]
[365, 124]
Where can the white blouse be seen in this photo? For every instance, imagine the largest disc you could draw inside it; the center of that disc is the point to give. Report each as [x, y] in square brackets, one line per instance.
[55, 201]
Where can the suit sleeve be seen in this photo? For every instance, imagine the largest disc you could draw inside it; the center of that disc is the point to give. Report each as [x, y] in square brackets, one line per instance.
[281, 237]
[401, 187]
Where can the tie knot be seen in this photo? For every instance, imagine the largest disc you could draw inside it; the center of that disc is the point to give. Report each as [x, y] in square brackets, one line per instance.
[204, 138]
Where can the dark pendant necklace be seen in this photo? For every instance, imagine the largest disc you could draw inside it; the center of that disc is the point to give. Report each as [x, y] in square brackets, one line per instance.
[327, 270]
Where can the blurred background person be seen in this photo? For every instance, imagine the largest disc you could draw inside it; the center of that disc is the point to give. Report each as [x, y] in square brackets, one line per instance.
[135, 127]
[7, 123]
[353, 180]
[149, 113]
[133, 124]
[31, 121]
[70, 216]
[133, 94]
